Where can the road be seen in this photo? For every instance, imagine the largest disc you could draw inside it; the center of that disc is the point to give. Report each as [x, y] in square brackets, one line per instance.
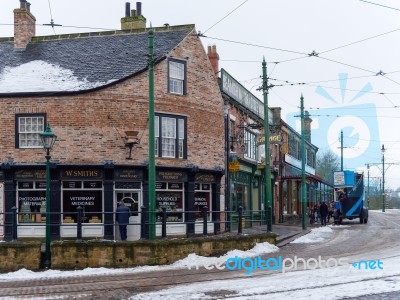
[352, 242]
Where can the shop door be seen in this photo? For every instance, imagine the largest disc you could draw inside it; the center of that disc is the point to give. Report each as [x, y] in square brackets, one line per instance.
[133, 201]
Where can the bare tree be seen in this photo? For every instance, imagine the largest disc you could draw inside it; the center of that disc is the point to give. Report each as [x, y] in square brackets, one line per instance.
[327, 163]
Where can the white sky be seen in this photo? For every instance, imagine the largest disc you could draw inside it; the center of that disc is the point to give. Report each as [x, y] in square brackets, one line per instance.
[344, 280]
[291, 26]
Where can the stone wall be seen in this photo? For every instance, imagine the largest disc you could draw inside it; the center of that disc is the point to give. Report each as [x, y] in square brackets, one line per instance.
[70, 255]
[17, 255]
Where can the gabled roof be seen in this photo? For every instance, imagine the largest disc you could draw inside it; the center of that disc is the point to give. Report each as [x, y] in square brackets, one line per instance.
[80, 62]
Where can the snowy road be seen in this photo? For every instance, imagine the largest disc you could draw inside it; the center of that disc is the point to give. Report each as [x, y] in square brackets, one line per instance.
[333, 262]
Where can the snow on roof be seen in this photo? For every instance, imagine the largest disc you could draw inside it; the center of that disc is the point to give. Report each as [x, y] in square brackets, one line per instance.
[40, 76]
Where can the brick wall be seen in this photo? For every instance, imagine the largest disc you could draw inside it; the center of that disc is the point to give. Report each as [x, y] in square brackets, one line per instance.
[90, 126]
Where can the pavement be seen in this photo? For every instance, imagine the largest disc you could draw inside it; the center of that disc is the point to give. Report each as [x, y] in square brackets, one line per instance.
[285, 232]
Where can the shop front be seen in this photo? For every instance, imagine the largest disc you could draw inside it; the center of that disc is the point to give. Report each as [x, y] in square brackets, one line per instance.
[246, 191]
[94, 192]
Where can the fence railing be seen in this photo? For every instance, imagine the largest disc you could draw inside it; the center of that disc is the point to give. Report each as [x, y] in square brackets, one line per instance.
[232, 221]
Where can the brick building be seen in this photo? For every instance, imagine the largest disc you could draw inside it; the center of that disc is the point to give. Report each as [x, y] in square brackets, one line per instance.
[244, 131]
[93, 90]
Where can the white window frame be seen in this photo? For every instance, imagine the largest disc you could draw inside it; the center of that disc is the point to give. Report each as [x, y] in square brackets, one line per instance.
[251, 144]
[177, 77]
[29, 134]
[170, 136]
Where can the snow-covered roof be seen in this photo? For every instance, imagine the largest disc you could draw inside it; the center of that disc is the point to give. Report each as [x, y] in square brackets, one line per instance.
[79, 63]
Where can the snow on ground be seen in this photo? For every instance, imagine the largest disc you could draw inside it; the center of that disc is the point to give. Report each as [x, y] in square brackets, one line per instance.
[326, 283]
[315, 236]
[192, 260]
[332, 281]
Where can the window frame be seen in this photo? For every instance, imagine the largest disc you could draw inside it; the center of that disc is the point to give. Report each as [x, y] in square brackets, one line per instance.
[180, 144]
[184, 80]
[17, 131]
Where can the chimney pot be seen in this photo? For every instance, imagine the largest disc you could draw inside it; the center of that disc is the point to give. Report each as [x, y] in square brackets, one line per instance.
[139, 8]
[127, 9]
[22, 4]
[134, 19]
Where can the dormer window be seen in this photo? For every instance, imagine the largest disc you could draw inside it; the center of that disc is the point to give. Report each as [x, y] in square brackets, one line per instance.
[176, 76]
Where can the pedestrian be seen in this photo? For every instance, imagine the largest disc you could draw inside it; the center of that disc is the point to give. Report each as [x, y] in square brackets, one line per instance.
[323, 211]
[122, 217]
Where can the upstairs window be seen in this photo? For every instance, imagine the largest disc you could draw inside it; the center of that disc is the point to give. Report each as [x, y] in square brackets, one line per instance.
[177, 77]
[28, 128]
[251, 144]
[170, 136]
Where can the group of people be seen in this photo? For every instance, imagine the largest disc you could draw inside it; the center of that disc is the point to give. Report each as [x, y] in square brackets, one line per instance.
[322, 213]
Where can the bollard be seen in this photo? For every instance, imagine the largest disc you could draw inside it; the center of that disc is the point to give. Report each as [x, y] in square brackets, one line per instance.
[143, 222]
[164, 223]
[269, 218]
[14, 224]
[79, 224]
[240, 210]
[204, 215]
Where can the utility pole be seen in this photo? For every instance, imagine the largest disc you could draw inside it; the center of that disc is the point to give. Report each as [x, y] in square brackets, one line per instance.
[383, 177]
[341, 150]
[268, 191]
[368, 186]
[303, 167]
[152, 169]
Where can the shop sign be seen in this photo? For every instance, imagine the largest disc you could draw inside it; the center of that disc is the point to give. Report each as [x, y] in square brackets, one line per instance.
[30, 174]
[175, 186]
[234, 166]
[275, 139]
[205, 178]
[128, 174]
[161, 185]
[81, 174]
[171, 176]
[239, 93]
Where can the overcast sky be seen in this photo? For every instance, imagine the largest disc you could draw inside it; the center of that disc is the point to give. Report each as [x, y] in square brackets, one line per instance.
[350, 83]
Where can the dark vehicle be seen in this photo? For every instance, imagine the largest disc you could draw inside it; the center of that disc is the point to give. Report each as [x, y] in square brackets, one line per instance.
[349, 197]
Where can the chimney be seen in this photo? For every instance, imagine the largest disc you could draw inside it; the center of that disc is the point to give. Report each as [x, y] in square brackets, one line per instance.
[214, 59]
[24, 25]
[307, 126]
[133, 18]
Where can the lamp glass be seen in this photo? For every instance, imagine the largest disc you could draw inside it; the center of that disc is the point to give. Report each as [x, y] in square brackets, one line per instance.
[48, 138]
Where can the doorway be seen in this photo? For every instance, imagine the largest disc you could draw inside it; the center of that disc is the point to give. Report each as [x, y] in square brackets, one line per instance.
[132, 200]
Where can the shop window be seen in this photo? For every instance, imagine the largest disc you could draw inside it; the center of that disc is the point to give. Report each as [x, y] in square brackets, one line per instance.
[27, 129]
[177, 77]
[85, 194]
[202, 196]
[170, 196]
[170, 136]
[31, 202]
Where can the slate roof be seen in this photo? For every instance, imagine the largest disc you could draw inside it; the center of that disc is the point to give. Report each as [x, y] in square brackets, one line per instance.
[85, 61]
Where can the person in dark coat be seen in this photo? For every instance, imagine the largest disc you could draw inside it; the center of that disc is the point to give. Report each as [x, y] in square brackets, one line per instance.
[323, 211]
[123, 214]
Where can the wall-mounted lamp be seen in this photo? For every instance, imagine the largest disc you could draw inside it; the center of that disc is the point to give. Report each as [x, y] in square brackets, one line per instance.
[131, 139]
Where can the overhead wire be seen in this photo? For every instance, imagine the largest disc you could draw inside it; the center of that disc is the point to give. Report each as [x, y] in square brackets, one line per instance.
[226, 16]
[373, 3]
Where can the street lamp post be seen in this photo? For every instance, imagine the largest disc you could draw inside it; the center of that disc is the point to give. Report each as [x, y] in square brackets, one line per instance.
[48, 139]
[383, 177]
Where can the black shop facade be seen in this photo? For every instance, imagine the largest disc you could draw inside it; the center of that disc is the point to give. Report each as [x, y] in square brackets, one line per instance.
[96, 191]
